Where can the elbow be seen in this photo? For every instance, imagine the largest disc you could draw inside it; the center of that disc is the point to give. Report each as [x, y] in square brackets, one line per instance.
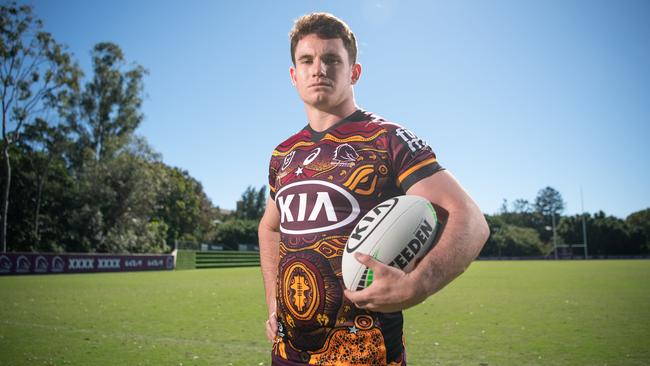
[480, 230]
[476, 232]
[482, 234]
[267, 228]
[267, 224]
[474, 221]
[484, 230]
[478, 223]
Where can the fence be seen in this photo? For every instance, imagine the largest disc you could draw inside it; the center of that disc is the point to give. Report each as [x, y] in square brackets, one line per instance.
[44, 263]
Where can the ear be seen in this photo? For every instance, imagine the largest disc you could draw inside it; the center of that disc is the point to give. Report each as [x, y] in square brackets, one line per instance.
[356, 73]
[292, 74]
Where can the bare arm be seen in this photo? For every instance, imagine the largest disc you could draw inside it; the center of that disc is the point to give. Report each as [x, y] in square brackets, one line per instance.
[269, 240]
[464, 234]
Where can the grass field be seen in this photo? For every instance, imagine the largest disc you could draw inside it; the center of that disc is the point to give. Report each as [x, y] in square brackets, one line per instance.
[497, 313]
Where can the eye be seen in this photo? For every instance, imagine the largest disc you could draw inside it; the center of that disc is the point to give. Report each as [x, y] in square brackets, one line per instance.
[331, 60]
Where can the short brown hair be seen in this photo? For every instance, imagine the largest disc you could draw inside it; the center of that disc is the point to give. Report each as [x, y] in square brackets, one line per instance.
[325, 26]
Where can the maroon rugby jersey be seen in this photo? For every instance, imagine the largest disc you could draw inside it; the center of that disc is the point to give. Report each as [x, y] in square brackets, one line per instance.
[322, 184]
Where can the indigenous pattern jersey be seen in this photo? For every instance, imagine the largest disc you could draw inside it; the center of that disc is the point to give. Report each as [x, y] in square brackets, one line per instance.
[322, 184]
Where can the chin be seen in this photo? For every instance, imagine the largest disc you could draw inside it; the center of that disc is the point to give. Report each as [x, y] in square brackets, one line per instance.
[319, 101]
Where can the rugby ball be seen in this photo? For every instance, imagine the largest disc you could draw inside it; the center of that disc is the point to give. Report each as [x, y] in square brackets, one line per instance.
[397, 232]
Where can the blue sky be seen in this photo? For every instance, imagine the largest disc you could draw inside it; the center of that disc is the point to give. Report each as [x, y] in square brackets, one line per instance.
[513, 96]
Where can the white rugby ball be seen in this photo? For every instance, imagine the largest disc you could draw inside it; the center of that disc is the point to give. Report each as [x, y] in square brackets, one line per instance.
[397, 232]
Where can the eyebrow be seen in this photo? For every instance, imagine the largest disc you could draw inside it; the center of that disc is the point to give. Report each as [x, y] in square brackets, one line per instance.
[331, 55]
[326, 55]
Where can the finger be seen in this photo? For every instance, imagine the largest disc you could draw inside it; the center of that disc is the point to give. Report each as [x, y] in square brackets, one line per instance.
[366, 260]
[272, 327]
[358, 298]
[270, 334]
[351, 295]
[362, 302]
[369, 262]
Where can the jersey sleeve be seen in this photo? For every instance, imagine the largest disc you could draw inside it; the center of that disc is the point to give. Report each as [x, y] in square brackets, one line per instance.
[273, 173]
[412, 158]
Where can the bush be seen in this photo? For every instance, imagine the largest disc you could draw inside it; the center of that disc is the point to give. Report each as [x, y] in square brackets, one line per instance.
[510, 240]
[234, 232]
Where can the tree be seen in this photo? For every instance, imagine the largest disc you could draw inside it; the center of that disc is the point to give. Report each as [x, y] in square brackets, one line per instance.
[252, 204]
[234, 232]
[116, 200]
[45, 216]
[522, 206]
[109, 106]
[86, 182]
[549, 202]
[519, 241]
[36, 75]
[604, 232]
[608, 235]
[116, 187]
[184, 207]
[522, 214]
[491, 247]
[640, 222]
[43, 144]
[510, 240]
[242, 228]
[571, 233]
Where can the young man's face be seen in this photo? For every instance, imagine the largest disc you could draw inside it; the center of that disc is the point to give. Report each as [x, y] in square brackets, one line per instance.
[323, 74]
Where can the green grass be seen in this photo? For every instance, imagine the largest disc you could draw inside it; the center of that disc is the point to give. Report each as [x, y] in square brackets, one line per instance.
[497, 313]
[537, 313]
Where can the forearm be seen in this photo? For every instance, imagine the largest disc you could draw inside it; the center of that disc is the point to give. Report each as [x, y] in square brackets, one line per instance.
[269, 259]
[461, 240]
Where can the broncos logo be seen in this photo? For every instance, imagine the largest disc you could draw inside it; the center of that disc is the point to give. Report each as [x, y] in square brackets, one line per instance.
[345, 154]
[5, 264]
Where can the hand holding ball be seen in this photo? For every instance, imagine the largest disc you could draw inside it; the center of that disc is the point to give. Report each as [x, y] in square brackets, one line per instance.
[397, 232]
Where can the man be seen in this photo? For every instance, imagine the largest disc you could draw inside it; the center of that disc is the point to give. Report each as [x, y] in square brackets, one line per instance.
[322, 181]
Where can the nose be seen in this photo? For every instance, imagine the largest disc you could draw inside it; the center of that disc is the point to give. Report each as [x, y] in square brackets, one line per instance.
[318, 68]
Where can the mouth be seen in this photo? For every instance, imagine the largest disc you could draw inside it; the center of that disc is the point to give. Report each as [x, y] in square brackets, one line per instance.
[320, 84]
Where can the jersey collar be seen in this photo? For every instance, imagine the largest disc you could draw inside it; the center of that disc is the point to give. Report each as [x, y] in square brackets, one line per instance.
[357, 116]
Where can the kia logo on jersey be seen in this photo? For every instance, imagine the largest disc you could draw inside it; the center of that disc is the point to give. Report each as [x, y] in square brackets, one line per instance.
[314, 206]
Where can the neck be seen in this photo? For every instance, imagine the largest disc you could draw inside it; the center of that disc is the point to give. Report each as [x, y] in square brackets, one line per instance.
[322, 119]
